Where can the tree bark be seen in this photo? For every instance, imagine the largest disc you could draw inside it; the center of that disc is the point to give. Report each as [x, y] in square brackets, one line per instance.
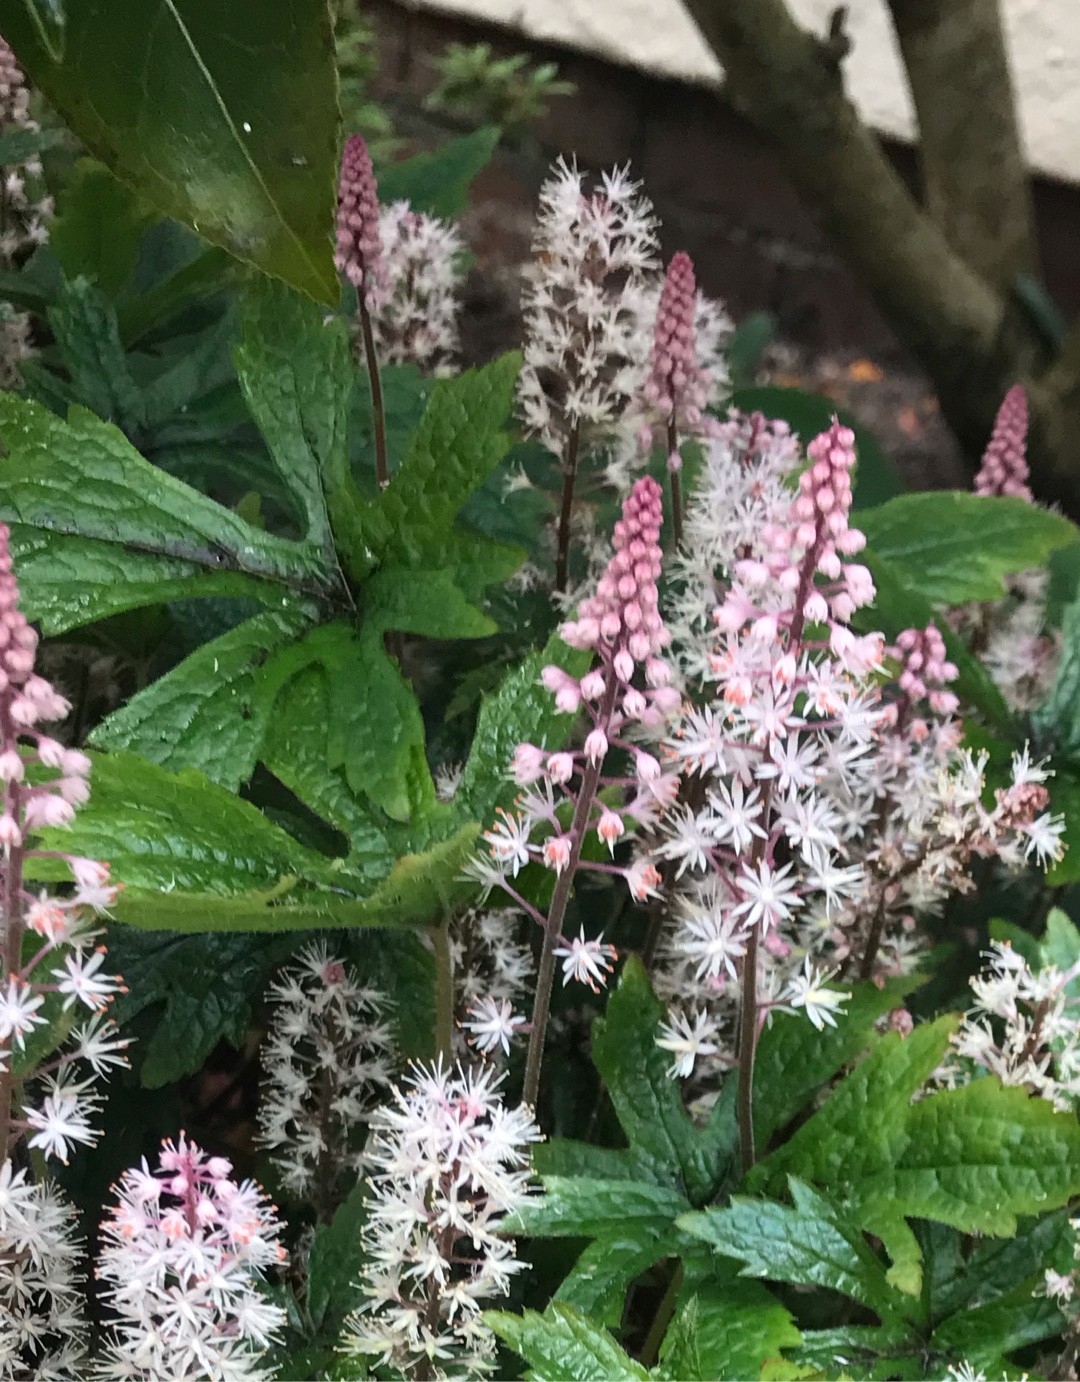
[975, 178]
[973, 340]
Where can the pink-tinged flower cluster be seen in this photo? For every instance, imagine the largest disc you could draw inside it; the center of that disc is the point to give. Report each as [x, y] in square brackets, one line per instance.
[52, 1104]
[414, 303]
[818, 811]
[359, 243]
[448, 1162]
[626, 696]
[184, 1249]
[584, 300]
[1004, 469]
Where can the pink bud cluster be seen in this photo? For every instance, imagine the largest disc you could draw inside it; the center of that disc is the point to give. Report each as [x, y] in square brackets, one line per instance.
[359, 246]
[678, 387]
[809, 543]
[1004, 469]
[26, 700]
[925, 670]
[621, 623]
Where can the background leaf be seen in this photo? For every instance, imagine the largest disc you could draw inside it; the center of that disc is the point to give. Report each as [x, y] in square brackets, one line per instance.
[222, 116]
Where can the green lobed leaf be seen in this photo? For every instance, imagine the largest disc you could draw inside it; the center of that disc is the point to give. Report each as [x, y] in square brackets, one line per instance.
[164, 831]
[598, 1281]
[811, 1243]
[788, 1070]
[562, 1345]
[953, 547]
[667, 1147]
[438, 182]
[1016, 1320]
[521, 710]
[994, 1267]
[576, 1206]
[296, 374]
[376, 733]
[973, 1157]
[213, 711]
[459, 442]
[739, 1326]
[224, 117]
[97, 529]
[429, 603]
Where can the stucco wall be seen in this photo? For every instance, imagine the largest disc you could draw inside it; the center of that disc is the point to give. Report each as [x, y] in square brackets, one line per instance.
[659, 36]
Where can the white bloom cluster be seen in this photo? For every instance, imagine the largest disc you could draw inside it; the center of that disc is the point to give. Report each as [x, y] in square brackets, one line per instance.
[493, 970]
[448, 1161]
[181, 1259]
[329, 1060]
[42, 1330]
[1024, 1027]
[414, 304]
[588, 329]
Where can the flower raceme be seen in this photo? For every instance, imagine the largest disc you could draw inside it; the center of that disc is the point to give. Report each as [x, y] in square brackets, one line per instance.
[448, 1161]
[622, 626]
[184, 1248]
[52, 960]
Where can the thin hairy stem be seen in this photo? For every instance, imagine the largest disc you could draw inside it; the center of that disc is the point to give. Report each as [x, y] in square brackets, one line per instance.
[444, 991]
[566, 511]
[545, 978]
[748, 1018]
[378, 409]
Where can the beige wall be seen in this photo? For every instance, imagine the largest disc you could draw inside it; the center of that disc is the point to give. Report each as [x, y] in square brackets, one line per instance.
[658, 35]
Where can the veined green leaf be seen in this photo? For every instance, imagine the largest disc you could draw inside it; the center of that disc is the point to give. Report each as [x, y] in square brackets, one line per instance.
[737, 1326]
[562, 1345]
[297, 376]
[97, 529]
[212, 712]
[954, 547]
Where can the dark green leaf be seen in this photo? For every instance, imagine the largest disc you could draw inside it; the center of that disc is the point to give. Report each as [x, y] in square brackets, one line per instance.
[598, 1281]
[97, 231]
[97, 529]
[296, 373]
[811, 1243]
[208, 273]
[521, 710]
[788, 1070]
[459, 442]
[429, 603]
[953, 547]
[222, 116]
[739, 1326]
[334, 1264]
[439, 182]
[576, 1206]
[213, 710]
[563, 1346]
[85, 327]
[752, 337]
[200, 990]
[1021, 1317]
[667, 1147]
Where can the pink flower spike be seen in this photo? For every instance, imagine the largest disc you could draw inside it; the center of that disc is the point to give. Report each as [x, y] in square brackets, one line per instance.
[358, 243]
[1004, 469]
